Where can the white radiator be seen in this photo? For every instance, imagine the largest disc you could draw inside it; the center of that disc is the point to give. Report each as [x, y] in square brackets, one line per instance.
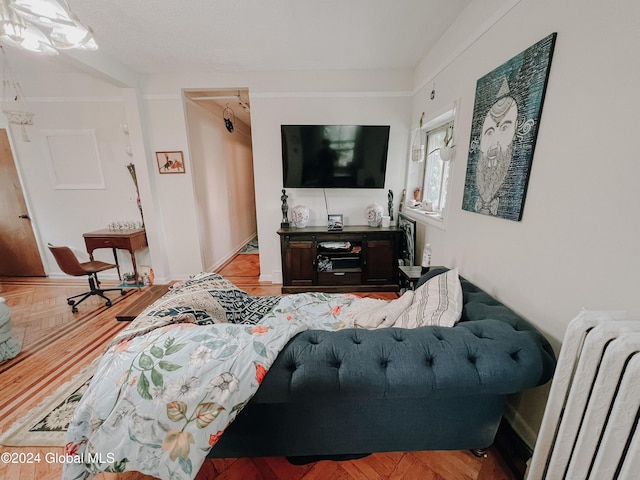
[589, 429]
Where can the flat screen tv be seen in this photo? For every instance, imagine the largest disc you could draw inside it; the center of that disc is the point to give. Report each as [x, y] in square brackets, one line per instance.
[334, 156]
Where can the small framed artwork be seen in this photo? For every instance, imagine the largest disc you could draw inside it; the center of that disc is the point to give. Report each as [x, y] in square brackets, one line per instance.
[335, 221]
[170, 162]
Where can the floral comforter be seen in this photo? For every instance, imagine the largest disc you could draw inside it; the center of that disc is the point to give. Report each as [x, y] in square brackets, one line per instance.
[170, 384]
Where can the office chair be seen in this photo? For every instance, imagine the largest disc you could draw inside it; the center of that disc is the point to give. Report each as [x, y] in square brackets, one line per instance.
[69, 264]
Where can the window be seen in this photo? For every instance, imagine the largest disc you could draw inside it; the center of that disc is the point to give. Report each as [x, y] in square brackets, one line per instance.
[436, 174]
[429, 166]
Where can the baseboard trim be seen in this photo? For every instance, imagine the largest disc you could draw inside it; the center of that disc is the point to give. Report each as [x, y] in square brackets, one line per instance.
[223, 262]
[514, 450]
[517, 423]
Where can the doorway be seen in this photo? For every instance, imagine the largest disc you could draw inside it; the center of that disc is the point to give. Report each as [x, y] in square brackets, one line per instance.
[219, 135]
[19, 254]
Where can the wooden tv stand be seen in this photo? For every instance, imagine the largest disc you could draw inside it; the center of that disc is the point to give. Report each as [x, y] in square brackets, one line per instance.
[354, 259]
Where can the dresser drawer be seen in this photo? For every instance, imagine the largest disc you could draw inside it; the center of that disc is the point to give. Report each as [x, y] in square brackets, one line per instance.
[94, 243]
[339, 278]
[131, 240]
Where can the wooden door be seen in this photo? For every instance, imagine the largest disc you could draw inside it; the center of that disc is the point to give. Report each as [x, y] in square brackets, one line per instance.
[299, 257]
[380, 262]
[19, 255]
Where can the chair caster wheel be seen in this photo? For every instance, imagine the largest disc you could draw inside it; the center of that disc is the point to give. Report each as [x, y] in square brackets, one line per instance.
[71, 302]
[108, 303]
[123, 292]
[74, 310]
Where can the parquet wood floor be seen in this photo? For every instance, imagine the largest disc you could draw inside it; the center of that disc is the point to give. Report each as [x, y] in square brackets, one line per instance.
[58, 344]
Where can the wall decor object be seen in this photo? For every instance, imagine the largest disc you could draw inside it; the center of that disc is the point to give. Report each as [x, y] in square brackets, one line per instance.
[300, 215]
[506, 119]
[417, 145]
[229, 117]
[373, 213]
[408, 240]
[446, 151]
[402, 198]
[132, 171]
[170, 162]
[284, 223]
[14, 104]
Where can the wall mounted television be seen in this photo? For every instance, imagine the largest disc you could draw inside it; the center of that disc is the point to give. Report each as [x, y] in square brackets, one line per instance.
[334, 156]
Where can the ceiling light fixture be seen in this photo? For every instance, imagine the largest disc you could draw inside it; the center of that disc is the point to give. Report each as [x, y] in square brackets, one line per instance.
[43, 26]
[14, 105]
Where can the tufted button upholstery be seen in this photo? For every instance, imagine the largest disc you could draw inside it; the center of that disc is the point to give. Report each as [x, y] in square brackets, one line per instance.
[361, 391]
[490, 351]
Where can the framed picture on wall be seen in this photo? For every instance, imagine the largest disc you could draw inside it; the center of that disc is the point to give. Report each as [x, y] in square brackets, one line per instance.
[506, 118]
[408, 240]
[170, 162]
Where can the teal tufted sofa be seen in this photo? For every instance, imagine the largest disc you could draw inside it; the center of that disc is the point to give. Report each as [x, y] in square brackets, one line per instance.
[354, 391]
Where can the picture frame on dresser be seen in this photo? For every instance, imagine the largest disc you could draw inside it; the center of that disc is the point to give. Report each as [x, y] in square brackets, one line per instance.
[335, 221]
[407, 239]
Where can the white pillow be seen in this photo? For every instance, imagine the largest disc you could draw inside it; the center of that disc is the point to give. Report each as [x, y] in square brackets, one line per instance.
[437, 302]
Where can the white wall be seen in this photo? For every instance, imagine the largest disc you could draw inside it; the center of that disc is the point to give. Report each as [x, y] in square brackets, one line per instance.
[373, 97]
[576, 245]
[223, 181]
[157, 118]
[267, 116]
[167, 132]
[75, 103]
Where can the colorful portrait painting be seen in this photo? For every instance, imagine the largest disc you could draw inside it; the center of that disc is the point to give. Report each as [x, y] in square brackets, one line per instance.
[506, 117]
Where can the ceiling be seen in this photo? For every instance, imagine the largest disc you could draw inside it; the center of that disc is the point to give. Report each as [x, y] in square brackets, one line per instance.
[200, 36]
[160, 36]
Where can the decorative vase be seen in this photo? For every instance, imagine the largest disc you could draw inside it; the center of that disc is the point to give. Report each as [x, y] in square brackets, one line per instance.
[373, 213]
[300, 215]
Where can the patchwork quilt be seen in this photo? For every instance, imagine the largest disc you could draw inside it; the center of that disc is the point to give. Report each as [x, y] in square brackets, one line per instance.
[170, 383]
